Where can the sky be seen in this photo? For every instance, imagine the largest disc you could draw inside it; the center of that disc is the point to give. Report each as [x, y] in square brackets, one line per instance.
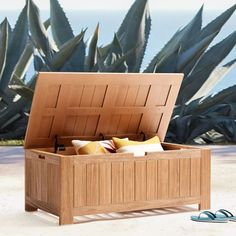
[122, 4]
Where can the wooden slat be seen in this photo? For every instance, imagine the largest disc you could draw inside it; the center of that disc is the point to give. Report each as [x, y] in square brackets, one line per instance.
[69, 126]
[142, 95]
[129, 181]
[163, 179]
[115, 120]
[92, 184]
[137, 205]
[45, 126]
[44, 180]
[33, 190]
[91, 125]
[120, 101]
[66, 191]
[134, 123]
[98, 96]
[105, 183]
[80, 185]
[140, 180]
[76, 92]
[38, 180]
[185, 170]
[205, 179]
[53, 193]
[123, 124]
[174, 178]
[117, 182]
[80, 125]
[195, 176]
[28, 177]
[152, 180]
[131, 95]
[87, 96]
[52, 95]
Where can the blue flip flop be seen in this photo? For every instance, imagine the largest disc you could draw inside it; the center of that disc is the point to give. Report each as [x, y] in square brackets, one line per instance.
[225, 214]
[208, 217]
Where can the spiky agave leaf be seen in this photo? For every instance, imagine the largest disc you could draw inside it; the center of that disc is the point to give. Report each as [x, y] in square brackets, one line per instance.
[113, 62]
[179, 62]
[16, 46]
[66, 51]
[188, 58]
[216, 25]
[215, 77]
[174, 44]
[134, 33]
[24, 91]
[3, 46]
[204, 68]
[115, 51]
[60, 26]
[38, 32]
[90, 59]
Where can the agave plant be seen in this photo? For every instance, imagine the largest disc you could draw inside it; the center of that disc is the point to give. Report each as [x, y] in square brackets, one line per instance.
[13, 48]
[187, 51]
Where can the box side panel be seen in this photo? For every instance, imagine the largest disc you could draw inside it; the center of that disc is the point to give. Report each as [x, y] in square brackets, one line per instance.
[42, 181]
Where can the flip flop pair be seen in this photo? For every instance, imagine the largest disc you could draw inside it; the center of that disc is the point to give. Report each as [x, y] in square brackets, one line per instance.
[220, 216]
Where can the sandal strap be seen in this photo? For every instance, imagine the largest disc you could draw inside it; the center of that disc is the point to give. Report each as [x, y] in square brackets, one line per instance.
[211, 215]
[225, 212]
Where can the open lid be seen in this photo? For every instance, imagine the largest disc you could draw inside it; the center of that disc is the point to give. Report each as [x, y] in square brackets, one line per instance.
[88, 105]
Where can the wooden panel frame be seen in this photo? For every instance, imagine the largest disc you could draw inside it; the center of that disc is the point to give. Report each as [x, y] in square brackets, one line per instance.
[114, 104]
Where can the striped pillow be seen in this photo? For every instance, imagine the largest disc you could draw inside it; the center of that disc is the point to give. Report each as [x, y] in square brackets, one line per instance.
[88, 147]
[136, 147]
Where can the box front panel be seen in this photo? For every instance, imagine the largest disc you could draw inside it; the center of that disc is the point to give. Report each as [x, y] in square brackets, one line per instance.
[111, 183]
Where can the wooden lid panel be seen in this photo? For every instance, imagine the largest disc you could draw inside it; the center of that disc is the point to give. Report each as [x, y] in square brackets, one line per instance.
[86, 105]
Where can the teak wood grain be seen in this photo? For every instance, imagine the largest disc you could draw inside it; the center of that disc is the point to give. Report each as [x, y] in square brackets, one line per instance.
[89, 106]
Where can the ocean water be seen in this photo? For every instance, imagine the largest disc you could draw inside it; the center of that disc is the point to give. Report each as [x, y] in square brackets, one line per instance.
[164, 25]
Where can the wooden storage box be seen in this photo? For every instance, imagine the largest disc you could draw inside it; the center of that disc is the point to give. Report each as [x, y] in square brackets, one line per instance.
[92, 106]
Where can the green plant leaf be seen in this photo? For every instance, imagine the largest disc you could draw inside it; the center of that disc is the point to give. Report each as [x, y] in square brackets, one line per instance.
[205, 67]
[3, 46]
[215, 77]
[76, 61]
[90, 60]
[216, 25]
[47, 23]
[64, 54]
[12, 110]
[191, 32]
[115, 51]
[134, 33]
[181, 37]
[38, 31]
[16, 46]
[38, 63]
[23, 91]
[61, 29]
[188, 58]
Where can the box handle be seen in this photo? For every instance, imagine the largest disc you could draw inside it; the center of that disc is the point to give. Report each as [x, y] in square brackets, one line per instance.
[41, 157]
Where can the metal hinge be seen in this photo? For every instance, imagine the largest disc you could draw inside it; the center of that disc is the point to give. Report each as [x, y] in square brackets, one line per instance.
[58, 146]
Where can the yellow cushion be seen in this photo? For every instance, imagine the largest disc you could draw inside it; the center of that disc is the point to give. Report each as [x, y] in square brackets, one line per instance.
[88, 147]
[136, 147]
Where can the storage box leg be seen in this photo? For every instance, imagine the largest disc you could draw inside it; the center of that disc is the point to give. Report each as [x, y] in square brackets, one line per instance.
[66, 219]
[205, 180]
[30, 208]
[66, 206]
